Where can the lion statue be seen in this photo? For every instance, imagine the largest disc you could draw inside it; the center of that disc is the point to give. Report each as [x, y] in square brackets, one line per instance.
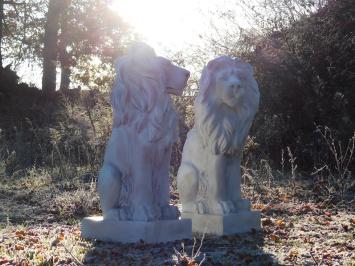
[209, 176]
[133, 183]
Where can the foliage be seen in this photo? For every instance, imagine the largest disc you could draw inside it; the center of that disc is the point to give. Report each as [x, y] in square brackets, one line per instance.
[92, 42]
[83, 37]
[306, 76]
[23, 31]
[56, 132]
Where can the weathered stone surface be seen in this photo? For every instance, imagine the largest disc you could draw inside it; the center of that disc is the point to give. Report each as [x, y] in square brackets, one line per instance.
[134, 231]
[133, 183]
[209, 176]
[234, 223]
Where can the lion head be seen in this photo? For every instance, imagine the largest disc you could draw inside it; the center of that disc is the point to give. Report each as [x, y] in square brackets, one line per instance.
[226, 104]
[140, 94]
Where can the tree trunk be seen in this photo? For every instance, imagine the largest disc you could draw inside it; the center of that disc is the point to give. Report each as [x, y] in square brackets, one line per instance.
[1, 28]
[50, 46]
[64, 56]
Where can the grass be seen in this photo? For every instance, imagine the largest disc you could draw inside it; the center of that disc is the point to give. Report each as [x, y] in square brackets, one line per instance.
[40, 215]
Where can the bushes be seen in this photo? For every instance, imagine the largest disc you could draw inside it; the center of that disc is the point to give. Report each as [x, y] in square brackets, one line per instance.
[306, 73]
[51, 130]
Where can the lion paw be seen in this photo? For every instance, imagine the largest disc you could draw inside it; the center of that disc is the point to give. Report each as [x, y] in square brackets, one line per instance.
[119, 214]
[201, 207]
[170, 212]
[146, 213]
[221, 207]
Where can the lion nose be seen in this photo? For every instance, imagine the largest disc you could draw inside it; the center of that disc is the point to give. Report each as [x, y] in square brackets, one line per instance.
[234, 86]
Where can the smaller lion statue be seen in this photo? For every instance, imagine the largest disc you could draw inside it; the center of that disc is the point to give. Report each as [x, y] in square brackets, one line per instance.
[209, 176]
[133, 183]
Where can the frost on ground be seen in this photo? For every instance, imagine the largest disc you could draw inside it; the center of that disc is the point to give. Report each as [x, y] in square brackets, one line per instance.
[292, 233]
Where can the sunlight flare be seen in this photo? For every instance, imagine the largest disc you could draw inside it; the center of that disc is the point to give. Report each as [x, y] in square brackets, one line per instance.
[168, 22]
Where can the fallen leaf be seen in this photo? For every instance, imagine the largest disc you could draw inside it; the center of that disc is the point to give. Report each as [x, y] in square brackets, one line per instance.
[266, 222]
[352, 221]
[34, 239]
[274, 237]
[308, 240]
[280, 223]
[293, 253]
[258, 206]
[284, 198]
[59, 238]
[20, 234]
[345, 227]
[19, 247]
[328, 214]
[307, 208]
[24, 263]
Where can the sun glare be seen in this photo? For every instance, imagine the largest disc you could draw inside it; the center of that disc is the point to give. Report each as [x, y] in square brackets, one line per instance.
[163, 23]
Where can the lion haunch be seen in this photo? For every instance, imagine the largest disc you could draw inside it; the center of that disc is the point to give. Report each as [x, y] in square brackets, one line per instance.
[209, 175]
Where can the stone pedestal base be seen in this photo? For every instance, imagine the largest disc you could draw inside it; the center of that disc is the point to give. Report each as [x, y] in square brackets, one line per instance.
[132, 231]
[240, 222]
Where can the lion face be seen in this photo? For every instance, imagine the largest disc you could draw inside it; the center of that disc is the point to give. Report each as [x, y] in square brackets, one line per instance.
[226, 104]
[174, 77]
[227, 81]
[142, 63]
[229, 86]
[140, 94]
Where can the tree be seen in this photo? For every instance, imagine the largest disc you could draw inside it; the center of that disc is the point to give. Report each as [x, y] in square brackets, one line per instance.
[69, 33]
[64, 56]
[50, 49]
[89, 42]
[76, 35]
[1, 26]
[21, 27]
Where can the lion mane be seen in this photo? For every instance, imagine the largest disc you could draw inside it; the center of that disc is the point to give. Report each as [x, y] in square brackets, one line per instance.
[139, 98]
[217, 123]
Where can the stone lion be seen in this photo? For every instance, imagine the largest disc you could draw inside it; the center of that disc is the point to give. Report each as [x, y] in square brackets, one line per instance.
[134, 181]
[209, 175]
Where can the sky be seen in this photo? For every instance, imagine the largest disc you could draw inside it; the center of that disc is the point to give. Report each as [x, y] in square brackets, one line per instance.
[172, 24]
[166, 25]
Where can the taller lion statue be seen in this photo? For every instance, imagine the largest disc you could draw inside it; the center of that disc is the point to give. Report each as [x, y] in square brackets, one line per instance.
[134, 181]
[209, 175]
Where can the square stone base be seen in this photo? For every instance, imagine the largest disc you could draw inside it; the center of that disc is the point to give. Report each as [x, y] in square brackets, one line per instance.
[240, 222]
[133, 231]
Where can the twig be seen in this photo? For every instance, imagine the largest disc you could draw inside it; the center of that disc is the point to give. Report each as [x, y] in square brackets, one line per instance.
[193, 248]
[204, 258]
[199, 248]
[76, 260]
[314, 259]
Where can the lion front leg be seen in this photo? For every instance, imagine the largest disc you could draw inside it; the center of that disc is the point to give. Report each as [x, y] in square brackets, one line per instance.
[143, 205]
[188, 187]
[162, 186]
[109, 189]
[218, 200]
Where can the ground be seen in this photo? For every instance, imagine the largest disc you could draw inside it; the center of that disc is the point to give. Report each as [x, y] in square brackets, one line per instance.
[40, 226]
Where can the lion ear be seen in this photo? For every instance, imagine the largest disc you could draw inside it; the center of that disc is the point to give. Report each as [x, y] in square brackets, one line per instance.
[248, 67]
[140, 53]
[204, 80]
[120, 62]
